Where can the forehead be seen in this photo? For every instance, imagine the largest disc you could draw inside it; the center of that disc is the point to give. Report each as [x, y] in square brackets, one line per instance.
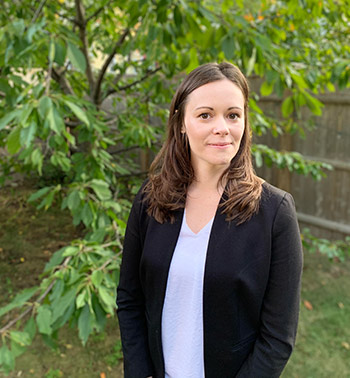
[223, 93]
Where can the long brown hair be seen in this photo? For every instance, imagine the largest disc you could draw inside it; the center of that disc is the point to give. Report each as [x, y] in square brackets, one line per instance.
[171, 172]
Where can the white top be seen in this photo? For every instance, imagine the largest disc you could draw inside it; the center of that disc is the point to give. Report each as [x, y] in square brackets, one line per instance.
[182, 320]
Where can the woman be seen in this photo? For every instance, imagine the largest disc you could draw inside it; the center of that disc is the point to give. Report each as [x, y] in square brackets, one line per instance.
[210, 277]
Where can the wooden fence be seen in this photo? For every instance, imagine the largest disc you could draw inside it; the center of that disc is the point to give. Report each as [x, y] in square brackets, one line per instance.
[322, 206]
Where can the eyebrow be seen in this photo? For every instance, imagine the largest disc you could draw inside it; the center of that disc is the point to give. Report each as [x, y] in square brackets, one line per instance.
[210, 108]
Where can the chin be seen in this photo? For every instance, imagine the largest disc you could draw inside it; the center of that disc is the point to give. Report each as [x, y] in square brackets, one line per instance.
[226, 161]
[223, 163]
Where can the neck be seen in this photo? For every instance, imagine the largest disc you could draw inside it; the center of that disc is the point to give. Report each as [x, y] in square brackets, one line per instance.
[207, 180]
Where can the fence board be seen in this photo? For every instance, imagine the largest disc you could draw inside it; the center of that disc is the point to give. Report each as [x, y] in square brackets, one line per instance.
[322, 206]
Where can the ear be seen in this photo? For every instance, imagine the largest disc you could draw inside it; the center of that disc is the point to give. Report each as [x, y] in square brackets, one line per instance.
[183, 129]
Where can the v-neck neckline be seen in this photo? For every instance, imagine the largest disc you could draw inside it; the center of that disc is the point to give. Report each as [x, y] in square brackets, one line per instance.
[201, 230]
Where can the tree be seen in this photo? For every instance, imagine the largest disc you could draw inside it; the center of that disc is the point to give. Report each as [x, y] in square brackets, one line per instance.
[83, 82]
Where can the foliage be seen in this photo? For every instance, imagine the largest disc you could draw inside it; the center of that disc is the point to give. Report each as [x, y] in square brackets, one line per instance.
[338, 249]
[291, 160]
[83, 82]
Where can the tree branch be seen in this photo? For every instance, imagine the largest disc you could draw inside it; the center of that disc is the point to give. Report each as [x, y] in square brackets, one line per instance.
[107, 262]
[62, 81]
[126, 149]
[98, 11]
[134, 174]
[128, 86]
[37, 12]
[97, 94]
[82, 32]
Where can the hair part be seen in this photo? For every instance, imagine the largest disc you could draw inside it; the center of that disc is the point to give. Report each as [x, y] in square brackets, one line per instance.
[171, 172]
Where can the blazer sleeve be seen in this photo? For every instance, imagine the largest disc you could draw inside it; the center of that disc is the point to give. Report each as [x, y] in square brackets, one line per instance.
[280, 309]
[130, 301]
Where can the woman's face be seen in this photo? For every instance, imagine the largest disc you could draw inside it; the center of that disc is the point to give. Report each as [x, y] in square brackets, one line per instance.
[214, 124]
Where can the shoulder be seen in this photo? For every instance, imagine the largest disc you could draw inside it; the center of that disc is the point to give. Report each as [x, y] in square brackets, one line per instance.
[273, 196]
[277, 203]
[271, 193]
[280, 206]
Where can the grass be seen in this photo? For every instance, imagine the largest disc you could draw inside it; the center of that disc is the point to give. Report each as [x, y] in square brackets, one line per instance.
[323, 341]
[28, 238]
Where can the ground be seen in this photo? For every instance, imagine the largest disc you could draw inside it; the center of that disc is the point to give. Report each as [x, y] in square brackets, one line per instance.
[28, 237]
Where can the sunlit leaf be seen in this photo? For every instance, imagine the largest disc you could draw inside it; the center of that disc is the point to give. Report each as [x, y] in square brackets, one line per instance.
[76, 57]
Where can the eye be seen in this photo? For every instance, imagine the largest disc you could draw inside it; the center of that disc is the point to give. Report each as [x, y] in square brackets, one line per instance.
[204, 116]
[233, 116]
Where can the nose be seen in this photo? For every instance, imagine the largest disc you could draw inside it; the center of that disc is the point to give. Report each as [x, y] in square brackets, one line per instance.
[220, 127]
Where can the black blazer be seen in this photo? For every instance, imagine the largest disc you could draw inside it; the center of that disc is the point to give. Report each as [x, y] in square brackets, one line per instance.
[250, 295]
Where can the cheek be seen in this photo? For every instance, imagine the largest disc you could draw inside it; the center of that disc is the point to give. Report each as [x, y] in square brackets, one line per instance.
[195, 132]
[238, 132]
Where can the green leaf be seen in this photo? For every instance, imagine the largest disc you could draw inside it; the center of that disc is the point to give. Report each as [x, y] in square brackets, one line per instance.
[8, 118]
[70, 251]
[19, 300]
[59, 159]
[25, 113]
[313, 104]
[49, 341]
[193, 60]
[55, 260]
[51, 52]
[114, 205]
[68, 314]
[79, 112]
[100, 314]
[44, 320]
[41, 192]
[45, 104]
[228, 47]
[17, 349]
[80, 301]
[76, 57]
[14, 141]
[60, 53]
[84, 324]
[251, 62]
[37, 159]
[98, 235]
[86, 215]
[7, 359]
[108, 298]
[287, 107]
[101, 189]
[21, 338]
[266, 88]
[60, 305]
[74, 276]
[27, 134]
[70, 138]
[73, 200]
[177, 17]
[97, 277]
[30, 328]
[55, 120]
[330, 87]
[297, 78]
[258, 159]
[47, 201]
[57, 290]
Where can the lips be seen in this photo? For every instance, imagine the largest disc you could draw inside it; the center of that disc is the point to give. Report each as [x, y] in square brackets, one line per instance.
[220, 144]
